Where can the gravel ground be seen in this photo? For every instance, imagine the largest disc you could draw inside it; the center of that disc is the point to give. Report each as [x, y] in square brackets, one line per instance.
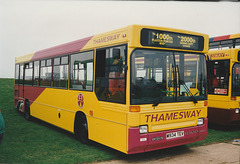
[221, 153]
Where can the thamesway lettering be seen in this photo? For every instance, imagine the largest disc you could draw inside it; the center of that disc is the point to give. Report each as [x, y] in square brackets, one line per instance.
[172, 116]
[217, 55]
[106, 39]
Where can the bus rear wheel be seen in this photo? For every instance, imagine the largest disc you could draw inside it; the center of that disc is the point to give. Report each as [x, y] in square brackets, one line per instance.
[18, 106]
[27, 114]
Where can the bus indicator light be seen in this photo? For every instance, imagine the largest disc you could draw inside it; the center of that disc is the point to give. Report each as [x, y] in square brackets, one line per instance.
[91, 113]
[205, 103]
[233, 98]
[80, 100]
[134, 109]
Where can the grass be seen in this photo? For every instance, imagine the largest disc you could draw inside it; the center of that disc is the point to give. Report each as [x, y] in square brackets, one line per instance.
[39, 142]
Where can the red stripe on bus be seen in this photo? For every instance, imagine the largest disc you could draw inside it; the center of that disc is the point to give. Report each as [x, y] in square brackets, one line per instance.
[221, 37]
[63, 49]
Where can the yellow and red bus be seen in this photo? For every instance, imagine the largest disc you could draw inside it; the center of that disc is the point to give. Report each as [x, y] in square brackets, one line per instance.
[135, 89]
[224, 80]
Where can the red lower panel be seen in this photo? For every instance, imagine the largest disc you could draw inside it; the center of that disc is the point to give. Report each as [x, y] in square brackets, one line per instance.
[134, 143]
[32, 93]
[28, 92]
[139, 143]
[223, 116]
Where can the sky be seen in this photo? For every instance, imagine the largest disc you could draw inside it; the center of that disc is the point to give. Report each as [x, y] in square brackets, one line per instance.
[30, 26]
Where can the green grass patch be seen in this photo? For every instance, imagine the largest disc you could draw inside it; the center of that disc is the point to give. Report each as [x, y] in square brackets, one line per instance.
[40, 142]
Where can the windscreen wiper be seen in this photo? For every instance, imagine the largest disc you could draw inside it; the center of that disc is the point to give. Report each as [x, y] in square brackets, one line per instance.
[181, 82]
[188, 91]
[157, 101]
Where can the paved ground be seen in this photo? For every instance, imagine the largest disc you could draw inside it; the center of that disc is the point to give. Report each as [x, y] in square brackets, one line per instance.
[221, 153]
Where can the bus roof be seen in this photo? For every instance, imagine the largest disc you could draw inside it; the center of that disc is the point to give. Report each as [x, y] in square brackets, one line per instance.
[224, 37]
[121, 35]
[63, 49]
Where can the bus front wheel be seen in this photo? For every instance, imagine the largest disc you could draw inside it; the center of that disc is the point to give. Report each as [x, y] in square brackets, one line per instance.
[82, 129]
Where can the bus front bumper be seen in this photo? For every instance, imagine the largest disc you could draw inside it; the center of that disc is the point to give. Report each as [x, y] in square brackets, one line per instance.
[138, 143]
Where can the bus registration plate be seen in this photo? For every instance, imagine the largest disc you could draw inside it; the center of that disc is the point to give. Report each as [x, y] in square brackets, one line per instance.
[174, 134]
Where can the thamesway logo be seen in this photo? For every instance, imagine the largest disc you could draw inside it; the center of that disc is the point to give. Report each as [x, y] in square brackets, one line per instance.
[172, 116]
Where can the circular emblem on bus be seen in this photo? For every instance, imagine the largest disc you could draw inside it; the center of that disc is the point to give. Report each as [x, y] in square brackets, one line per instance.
[80, 100]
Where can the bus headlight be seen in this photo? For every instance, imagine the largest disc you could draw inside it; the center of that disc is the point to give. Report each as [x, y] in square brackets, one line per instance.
[143, 129]
[237, 110]
[200, 121]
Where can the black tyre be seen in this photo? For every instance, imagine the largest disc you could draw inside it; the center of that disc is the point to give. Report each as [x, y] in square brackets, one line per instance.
[82, 129]
[27, 114]
[18, 106]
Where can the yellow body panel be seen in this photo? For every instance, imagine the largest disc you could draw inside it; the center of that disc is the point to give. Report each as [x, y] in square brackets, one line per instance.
[223, 102]
[111, 38]
[224, 54]
[233, 36]
[108, 132]
[174, 115]
[107, 118]
[54, 101]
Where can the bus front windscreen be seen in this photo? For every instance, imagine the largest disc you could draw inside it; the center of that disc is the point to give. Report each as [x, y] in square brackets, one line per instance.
[167, 76]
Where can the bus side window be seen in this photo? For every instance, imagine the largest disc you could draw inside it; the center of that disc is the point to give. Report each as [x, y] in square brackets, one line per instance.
[82, 71]
[36, 73]
[17, 74]
[28, 74]
[60, 72]
[21, 74]
[46, 73]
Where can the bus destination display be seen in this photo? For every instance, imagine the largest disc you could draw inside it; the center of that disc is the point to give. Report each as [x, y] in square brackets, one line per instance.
[167, 39]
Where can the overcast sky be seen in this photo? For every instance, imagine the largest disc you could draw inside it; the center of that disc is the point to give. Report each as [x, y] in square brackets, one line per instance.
[29, 26]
